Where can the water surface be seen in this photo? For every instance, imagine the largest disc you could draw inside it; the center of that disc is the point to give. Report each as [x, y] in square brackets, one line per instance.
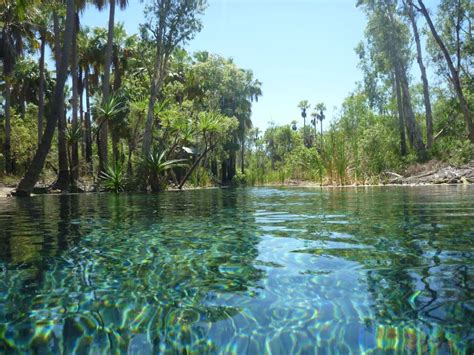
[259, 270]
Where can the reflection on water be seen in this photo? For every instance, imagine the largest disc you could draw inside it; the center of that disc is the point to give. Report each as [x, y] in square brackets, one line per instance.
[248, 270]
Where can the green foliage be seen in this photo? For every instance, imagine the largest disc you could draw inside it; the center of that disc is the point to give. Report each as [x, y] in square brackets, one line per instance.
[200, 177]
[304, 163]
[240, 180]
[114, 178]
[23, 137]
[155, 165]
[454, 151]
[108, 110]
[73, 133]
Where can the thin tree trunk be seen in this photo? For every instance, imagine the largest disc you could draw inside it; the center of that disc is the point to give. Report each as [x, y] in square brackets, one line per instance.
[148, 133]
[57, 39]
[81, 111]
[242, 153]
[87, 119]
[7, 144]
[195, 164]
[28, 182]
[129, 161]
[401, 121]
[454, 73]
[117, 76]
[75, 101]
[41, 89]
[424, 78]
[62, 182]
[115, 148]
[103, 132]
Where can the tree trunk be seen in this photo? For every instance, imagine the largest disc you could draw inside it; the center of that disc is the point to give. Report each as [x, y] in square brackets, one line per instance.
[87, 123]
[148, 133]
[242, 153]
[57, 39]
[232, 166]
[81, 111]
[62, 183]
[454, 73]
[7, 144]
[115, 149]
[193, 167]
[413, 128]
[129, 161]
[103, 133]
[28, 182]
[41, 89]
[117, 76]
[75, 103]
[424, 78]
[401, 121]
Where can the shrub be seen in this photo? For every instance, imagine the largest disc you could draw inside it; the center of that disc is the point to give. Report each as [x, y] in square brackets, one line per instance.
[239, 179]
[114, 178]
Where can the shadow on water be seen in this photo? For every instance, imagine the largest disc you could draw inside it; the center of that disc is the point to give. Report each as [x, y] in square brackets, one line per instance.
[246, 270]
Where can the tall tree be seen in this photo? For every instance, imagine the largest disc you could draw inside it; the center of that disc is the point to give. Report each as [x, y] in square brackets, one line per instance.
[103, 133]
[27, 183]
[424, 78]
[43, 20]
[62, 181]
[454, 71]
[304, 107]
[388, 38]
[74, 159]
[171, 23]
[401, 115]
[86, 58]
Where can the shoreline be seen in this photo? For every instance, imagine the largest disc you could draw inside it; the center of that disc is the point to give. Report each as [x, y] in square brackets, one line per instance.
[6, 192]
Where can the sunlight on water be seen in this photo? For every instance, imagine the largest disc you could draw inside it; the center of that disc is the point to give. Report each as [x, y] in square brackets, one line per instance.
[234, 271]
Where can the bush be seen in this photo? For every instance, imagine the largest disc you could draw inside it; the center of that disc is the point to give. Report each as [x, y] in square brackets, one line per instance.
[200, 177]
[454, 151]
[114, 179]
[239, 179]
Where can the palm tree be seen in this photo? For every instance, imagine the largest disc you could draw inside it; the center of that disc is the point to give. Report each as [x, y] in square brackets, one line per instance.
[103, 135]
[106, 112]
[251, 92]
[62, 181]
[42, 21]
[26, 185]
[16, 16]
[156, 164]
[304, 106]
[88, 56]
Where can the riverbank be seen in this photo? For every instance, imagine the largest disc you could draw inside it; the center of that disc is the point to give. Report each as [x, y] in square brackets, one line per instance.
[430, 173]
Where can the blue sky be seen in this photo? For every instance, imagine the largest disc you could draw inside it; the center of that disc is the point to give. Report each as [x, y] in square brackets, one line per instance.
[298, 49]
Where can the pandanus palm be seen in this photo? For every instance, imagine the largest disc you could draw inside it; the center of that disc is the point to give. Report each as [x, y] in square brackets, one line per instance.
[155, 165]
[107, 111]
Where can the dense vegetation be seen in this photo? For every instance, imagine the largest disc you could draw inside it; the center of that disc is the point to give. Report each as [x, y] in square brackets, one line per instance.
[138, 112]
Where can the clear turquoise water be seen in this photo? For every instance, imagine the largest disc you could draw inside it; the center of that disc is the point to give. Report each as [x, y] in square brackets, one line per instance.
[261, 270]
